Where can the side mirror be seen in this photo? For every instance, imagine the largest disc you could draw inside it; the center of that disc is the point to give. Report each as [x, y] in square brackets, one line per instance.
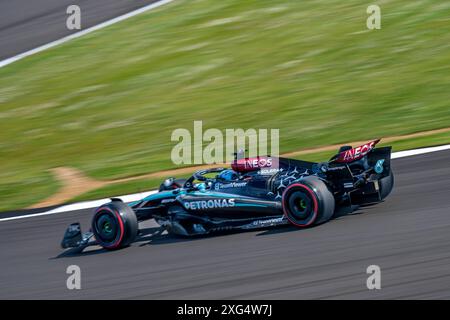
[168, 182]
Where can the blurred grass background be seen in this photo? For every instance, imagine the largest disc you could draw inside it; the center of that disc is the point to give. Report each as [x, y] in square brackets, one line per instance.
[108, 102]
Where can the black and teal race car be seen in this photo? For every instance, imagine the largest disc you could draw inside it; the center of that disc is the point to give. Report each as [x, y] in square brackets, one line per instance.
[254, 193]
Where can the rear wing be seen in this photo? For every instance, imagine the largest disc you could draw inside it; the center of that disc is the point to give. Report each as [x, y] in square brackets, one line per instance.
[357, 153]
[366, 156]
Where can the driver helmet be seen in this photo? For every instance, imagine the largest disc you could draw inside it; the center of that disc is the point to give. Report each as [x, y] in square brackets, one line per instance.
[201, 186]
[228, 175]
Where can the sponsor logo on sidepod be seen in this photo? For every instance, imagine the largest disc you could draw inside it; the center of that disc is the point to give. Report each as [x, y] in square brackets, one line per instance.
[209, 204]
[230, 185]
[268, 222]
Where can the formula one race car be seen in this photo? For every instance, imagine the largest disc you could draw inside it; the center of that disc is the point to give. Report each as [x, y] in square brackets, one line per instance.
[255, 193]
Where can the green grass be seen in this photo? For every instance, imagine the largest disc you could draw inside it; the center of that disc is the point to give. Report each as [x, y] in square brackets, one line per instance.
[399, 145]
[108, 102]
[120, 189]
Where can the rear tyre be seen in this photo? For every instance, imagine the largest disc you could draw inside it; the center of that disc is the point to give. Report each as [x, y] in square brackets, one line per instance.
[386, 184]
[114, 225]
[308, 202]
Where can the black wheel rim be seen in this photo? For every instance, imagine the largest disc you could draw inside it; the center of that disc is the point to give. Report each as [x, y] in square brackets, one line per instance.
[106, 227]
[300, 207]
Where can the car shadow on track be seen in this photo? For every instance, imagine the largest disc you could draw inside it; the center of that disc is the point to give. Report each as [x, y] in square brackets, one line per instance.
[157, 236]
[340, 212]
[146, 236]
[94, 249]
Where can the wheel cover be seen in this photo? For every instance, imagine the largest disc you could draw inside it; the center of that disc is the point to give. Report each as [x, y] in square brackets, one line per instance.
[300, 205]
[108, 228]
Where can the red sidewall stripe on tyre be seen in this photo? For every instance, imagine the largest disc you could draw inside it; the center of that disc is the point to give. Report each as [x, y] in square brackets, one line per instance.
[121, 227]
[313, 196]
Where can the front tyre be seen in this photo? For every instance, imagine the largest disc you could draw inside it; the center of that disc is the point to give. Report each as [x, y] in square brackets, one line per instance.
[308, 202]
[114, 225]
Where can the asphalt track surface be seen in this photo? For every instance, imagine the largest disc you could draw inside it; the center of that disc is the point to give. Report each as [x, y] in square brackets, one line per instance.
[27, 24]
[408, 236]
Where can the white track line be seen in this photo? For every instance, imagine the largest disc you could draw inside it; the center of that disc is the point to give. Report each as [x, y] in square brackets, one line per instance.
[408, 153]
[139, 196]
[83, 205]
[84, 32]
